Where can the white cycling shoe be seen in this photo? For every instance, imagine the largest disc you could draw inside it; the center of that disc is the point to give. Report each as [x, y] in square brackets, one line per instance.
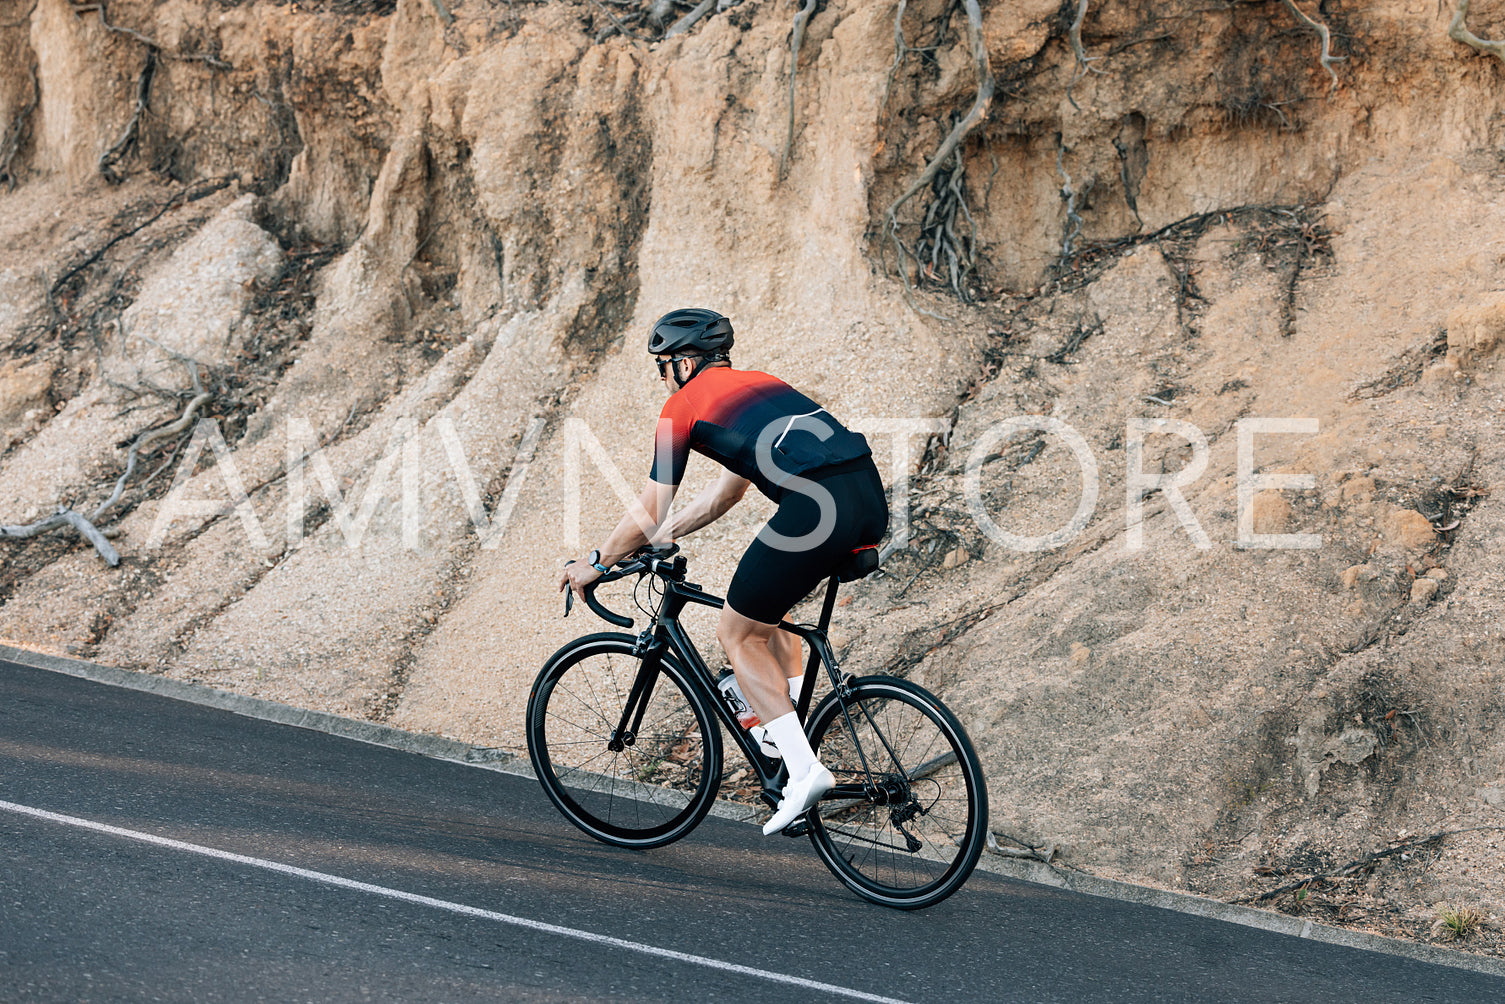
[798, 796]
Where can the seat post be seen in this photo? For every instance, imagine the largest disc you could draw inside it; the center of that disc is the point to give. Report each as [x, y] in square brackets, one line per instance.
[830, 605]
[802, 705]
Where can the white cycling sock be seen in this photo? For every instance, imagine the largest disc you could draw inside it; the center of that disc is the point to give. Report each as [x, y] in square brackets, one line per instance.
[787, 732]
[795, 683]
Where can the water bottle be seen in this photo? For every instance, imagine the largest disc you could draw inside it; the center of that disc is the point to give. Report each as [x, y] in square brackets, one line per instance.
[732, 694]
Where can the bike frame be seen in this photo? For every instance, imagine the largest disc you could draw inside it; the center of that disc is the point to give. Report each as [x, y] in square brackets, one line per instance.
[666, 632]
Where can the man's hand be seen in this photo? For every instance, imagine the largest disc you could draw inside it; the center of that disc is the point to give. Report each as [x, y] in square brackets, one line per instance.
[577, 575]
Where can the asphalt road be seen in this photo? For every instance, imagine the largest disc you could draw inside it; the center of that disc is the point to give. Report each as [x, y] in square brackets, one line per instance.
[351, 872]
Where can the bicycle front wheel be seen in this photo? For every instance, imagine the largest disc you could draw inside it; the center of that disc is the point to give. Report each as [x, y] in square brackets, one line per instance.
[909, 817]
[640, 777]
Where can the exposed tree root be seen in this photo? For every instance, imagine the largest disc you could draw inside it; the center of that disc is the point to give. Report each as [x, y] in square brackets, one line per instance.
[127, 140]
[1458, 31]
[656, 15]
[1083, 61]
[192, 193]
[950, 147]
[1277, 230]
[901, 48]
[151, 436]
[1327, 58]
[1068, 196]
[11, 144]
[186, 57]
[940, 250]
[1359, 864]
[1406, 370]
[154, 50]
[796, 39]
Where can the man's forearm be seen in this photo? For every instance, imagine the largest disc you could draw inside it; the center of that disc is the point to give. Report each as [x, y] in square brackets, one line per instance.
[707, 508]
[639, 521]
[694, 516]
[626, 538]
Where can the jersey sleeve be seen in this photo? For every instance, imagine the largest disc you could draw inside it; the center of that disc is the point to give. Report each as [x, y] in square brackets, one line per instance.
[671, 442]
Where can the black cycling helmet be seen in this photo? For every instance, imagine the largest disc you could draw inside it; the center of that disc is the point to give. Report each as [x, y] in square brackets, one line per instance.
[693, 329]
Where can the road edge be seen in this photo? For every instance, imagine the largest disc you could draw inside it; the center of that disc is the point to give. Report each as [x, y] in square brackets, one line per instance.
[454, 750]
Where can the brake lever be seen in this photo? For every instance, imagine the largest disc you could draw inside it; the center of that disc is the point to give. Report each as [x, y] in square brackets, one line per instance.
[569, 592]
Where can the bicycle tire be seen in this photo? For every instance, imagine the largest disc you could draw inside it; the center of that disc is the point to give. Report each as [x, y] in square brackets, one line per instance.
[647, 794]
[930, 774]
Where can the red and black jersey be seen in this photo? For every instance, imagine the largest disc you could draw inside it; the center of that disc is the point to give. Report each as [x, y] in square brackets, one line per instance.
[755, 425]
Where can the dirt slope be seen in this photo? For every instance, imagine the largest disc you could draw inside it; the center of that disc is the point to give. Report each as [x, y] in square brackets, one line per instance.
[410, 249]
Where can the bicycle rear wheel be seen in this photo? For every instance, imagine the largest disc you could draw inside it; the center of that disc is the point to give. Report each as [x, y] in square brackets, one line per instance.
[645, 786]
[905, 830]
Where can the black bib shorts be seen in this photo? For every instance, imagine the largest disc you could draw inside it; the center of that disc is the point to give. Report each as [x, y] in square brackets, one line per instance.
[776, 574]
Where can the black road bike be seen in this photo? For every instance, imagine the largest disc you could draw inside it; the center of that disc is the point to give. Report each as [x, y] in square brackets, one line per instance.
[622, 734]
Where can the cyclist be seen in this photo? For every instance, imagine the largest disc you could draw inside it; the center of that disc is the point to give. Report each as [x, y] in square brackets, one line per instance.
[830, 498]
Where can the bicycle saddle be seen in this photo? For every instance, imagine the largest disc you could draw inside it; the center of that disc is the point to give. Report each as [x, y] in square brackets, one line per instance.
[860, 563]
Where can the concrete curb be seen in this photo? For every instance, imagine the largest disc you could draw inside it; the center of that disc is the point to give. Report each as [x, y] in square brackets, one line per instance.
[510, 763]
[1246, 916]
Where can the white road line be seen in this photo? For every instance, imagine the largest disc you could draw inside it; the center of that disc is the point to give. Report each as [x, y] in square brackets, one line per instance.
[440, 904]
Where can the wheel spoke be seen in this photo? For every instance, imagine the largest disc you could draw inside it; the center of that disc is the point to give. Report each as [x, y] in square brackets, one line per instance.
[926, 789]
[655, 786]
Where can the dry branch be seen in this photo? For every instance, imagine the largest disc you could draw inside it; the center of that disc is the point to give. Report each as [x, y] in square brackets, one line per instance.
[687, 22]
[12, 144]
[85, 525]
[65, 517]
[1327, 59]
[801, 18]
[1458, 31]
[616, 25]
[145, 440]
[1360, 864]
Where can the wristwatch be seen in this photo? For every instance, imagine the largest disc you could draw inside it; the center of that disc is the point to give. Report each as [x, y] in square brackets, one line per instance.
[595, 562]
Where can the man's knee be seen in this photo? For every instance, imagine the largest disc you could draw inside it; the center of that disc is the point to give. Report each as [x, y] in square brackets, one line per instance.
[734, 631]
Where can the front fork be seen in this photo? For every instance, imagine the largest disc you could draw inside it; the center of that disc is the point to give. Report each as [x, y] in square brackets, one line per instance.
[625, 734]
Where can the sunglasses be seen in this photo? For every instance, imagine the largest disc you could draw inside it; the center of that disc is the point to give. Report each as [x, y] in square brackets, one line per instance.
[664, 365]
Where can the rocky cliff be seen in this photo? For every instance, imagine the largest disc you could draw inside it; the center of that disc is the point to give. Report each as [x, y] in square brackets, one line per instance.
[404, 254]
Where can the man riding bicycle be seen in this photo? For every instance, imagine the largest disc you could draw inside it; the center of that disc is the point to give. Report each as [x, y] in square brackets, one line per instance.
[830, 498]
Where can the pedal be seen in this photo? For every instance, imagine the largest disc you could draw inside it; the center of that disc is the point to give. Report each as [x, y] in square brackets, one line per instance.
[798, 828]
